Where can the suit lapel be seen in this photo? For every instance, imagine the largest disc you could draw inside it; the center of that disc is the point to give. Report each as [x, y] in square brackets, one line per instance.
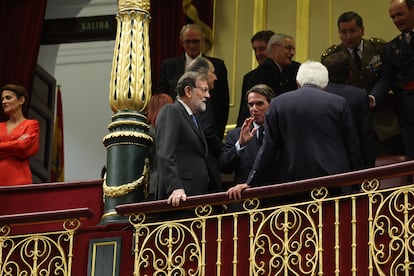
[196, 129]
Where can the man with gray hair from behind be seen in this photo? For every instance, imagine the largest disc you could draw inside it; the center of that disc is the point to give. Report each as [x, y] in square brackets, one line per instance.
[311, 131]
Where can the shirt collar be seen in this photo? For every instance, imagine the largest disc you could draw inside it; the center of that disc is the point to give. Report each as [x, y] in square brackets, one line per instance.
[188, 59]
[187, 108]
[256, 125]
[359, 47]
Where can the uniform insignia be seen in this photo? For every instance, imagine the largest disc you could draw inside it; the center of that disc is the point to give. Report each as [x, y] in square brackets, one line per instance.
[330, 50]
[377, 40]
[375, 64]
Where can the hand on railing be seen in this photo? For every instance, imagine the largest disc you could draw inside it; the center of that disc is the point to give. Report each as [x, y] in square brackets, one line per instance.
[235, 192]
[176, 196]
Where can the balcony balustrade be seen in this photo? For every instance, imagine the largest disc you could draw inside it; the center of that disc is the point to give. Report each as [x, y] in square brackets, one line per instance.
[357, 223]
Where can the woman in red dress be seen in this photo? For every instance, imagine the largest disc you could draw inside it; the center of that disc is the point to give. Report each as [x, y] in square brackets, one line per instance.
[19, 137]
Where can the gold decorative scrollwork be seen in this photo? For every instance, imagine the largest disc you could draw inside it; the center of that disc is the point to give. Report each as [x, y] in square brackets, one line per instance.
[280, 242]
[370, 185]
[393, 233]
[4, 230]
[319, 193]
[168, 248]
[124, 189]
[37, 254]
[203, 210]
[137, 218]
[321, 236]
[251, 204]
[71, 224]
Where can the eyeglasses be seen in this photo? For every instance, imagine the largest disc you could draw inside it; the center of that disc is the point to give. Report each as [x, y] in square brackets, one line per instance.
[193, 41]
[290, 48]
[203, 89]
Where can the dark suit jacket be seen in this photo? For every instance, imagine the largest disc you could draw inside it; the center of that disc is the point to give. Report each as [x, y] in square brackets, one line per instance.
[358, 101]
[269, 73]
[231, 162]
[173, 68]
[398, 71]
[312, 132]
[181, 153]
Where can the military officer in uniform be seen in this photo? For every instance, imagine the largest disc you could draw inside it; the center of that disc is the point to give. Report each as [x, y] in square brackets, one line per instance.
[399, 70]
[367, 58]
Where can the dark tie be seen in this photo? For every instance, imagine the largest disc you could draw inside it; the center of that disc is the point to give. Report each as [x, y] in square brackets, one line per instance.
[357, 59]
[194, 120]
[261, 134]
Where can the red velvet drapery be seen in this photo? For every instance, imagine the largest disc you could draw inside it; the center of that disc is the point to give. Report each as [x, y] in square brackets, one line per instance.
[167, 20]
[21, 24]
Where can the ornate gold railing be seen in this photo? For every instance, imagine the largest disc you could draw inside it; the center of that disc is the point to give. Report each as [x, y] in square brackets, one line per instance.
[284, 230]
[45, 253]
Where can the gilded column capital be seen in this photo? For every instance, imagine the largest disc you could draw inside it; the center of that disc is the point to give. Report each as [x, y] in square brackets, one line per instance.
[126, 5]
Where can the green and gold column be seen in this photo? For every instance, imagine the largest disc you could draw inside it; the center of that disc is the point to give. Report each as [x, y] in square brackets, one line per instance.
[126, 179]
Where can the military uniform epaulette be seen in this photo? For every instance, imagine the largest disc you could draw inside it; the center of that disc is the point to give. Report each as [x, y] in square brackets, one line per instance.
[377, 40]
[331, 50]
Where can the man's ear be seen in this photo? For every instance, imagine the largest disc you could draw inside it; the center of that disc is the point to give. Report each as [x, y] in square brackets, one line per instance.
[188, 91]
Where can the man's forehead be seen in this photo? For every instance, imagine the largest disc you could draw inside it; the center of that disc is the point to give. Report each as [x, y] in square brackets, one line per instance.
[259, 42]
[255, 96]
[192, 32]
[349, 24]
[288, 40]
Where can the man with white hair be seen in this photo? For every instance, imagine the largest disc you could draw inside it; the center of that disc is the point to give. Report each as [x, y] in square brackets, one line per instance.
[311, 131]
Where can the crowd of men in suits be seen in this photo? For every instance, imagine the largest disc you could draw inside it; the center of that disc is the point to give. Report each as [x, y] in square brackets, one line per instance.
[338, 115]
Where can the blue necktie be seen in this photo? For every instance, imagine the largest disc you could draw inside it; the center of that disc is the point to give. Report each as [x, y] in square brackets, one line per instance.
[194, 120]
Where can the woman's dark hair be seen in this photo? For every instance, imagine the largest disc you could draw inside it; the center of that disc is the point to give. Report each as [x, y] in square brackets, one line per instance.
[19, 90]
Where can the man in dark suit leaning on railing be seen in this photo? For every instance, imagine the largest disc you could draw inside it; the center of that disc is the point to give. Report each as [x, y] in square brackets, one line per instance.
[310, 130]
